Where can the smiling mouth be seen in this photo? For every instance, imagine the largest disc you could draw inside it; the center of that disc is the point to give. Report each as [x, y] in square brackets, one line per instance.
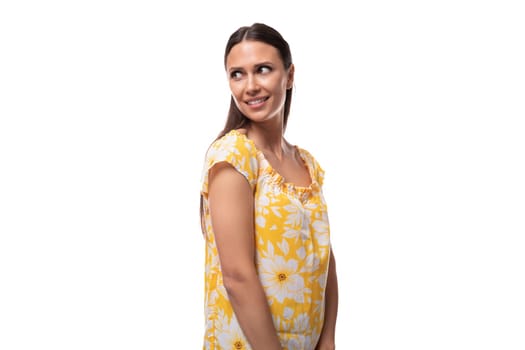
[256, 101]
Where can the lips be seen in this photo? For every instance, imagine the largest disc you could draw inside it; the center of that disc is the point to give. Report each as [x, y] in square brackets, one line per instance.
[256, 101]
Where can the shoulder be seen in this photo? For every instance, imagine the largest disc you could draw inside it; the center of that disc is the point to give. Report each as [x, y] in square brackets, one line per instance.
[315, 167]
[234, 142]
[307, 156]
[236, 150]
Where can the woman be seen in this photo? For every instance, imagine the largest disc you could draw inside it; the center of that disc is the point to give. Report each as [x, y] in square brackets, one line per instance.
[270, 271]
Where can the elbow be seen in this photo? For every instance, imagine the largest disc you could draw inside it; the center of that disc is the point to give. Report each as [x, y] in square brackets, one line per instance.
[236, 281]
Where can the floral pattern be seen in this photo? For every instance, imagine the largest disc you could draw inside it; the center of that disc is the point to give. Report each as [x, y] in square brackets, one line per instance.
[292, 238]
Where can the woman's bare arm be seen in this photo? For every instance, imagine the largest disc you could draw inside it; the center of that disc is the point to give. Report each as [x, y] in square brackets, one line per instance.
[327, 339]
[231, 206]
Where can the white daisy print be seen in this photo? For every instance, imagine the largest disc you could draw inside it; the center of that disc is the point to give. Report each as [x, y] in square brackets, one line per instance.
[280, 278]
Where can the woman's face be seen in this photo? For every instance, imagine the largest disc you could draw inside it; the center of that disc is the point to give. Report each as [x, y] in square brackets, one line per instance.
[258, 80]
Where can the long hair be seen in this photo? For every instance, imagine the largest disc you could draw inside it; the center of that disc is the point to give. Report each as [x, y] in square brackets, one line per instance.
[236, 119]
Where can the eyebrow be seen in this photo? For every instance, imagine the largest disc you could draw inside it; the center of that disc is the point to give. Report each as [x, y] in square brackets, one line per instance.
[265, 63]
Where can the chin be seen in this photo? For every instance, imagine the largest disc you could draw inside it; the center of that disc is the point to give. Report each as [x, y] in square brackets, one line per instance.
[257, 115]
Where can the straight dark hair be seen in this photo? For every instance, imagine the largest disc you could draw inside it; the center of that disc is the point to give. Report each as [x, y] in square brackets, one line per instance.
[236, 119]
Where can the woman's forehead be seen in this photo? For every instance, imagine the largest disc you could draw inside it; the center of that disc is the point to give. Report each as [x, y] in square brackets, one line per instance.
[249, 52]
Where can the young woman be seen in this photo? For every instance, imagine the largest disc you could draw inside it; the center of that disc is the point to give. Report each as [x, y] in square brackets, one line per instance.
[270, 270]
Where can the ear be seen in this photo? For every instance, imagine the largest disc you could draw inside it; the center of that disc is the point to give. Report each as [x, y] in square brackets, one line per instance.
[289, 82]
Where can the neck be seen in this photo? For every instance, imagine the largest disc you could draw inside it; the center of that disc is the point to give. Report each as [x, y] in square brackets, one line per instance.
[269, 140]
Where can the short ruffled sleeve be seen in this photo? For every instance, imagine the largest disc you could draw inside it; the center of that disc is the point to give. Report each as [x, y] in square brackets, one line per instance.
[235, 149]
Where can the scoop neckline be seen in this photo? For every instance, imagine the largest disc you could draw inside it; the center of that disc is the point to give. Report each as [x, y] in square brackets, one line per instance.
[289, 186]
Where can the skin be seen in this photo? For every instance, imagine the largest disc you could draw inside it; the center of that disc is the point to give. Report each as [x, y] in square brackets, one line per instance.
[258, 82]
[327, 338]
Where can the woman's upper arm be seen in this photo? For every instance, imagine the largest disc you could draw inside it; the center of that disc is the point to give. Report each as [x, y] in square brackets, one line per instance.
[231, 205]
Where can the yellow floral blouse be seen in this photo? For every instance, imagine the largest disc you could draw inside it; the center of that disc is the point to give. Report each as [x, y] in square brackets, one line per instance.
[292, 249]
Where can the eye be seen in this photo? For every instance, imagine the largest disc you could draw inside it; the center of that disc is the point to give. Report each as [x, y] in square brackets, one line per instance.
[236, 75]
[265, 69]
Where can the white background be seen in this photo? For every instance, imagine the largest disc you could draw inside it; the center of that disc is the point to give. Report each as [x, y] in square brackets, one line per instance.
[415, 109]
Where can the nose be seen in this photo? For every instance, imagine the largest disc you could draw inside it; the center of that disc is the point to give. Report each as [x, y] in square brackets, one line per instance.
[252, 85]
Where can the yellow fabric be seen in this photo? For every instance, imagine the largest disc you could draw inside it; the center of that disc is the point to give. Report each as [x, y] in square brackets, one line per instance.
[292, 249]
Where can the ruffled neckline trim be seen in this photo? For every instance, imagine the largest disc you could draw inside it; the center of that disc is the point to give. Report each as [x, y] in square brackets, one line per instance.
[301, 192]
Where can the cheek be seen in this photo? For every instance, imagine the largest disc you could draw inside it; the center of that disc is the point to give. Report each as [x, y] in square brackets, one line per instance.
[285, 83]
[235, 89]
[279, 84]
[235, 95]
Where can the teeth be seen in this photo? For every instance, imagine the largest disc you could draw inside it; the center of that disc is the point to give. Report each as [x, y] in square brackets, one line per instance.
[253, 102]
